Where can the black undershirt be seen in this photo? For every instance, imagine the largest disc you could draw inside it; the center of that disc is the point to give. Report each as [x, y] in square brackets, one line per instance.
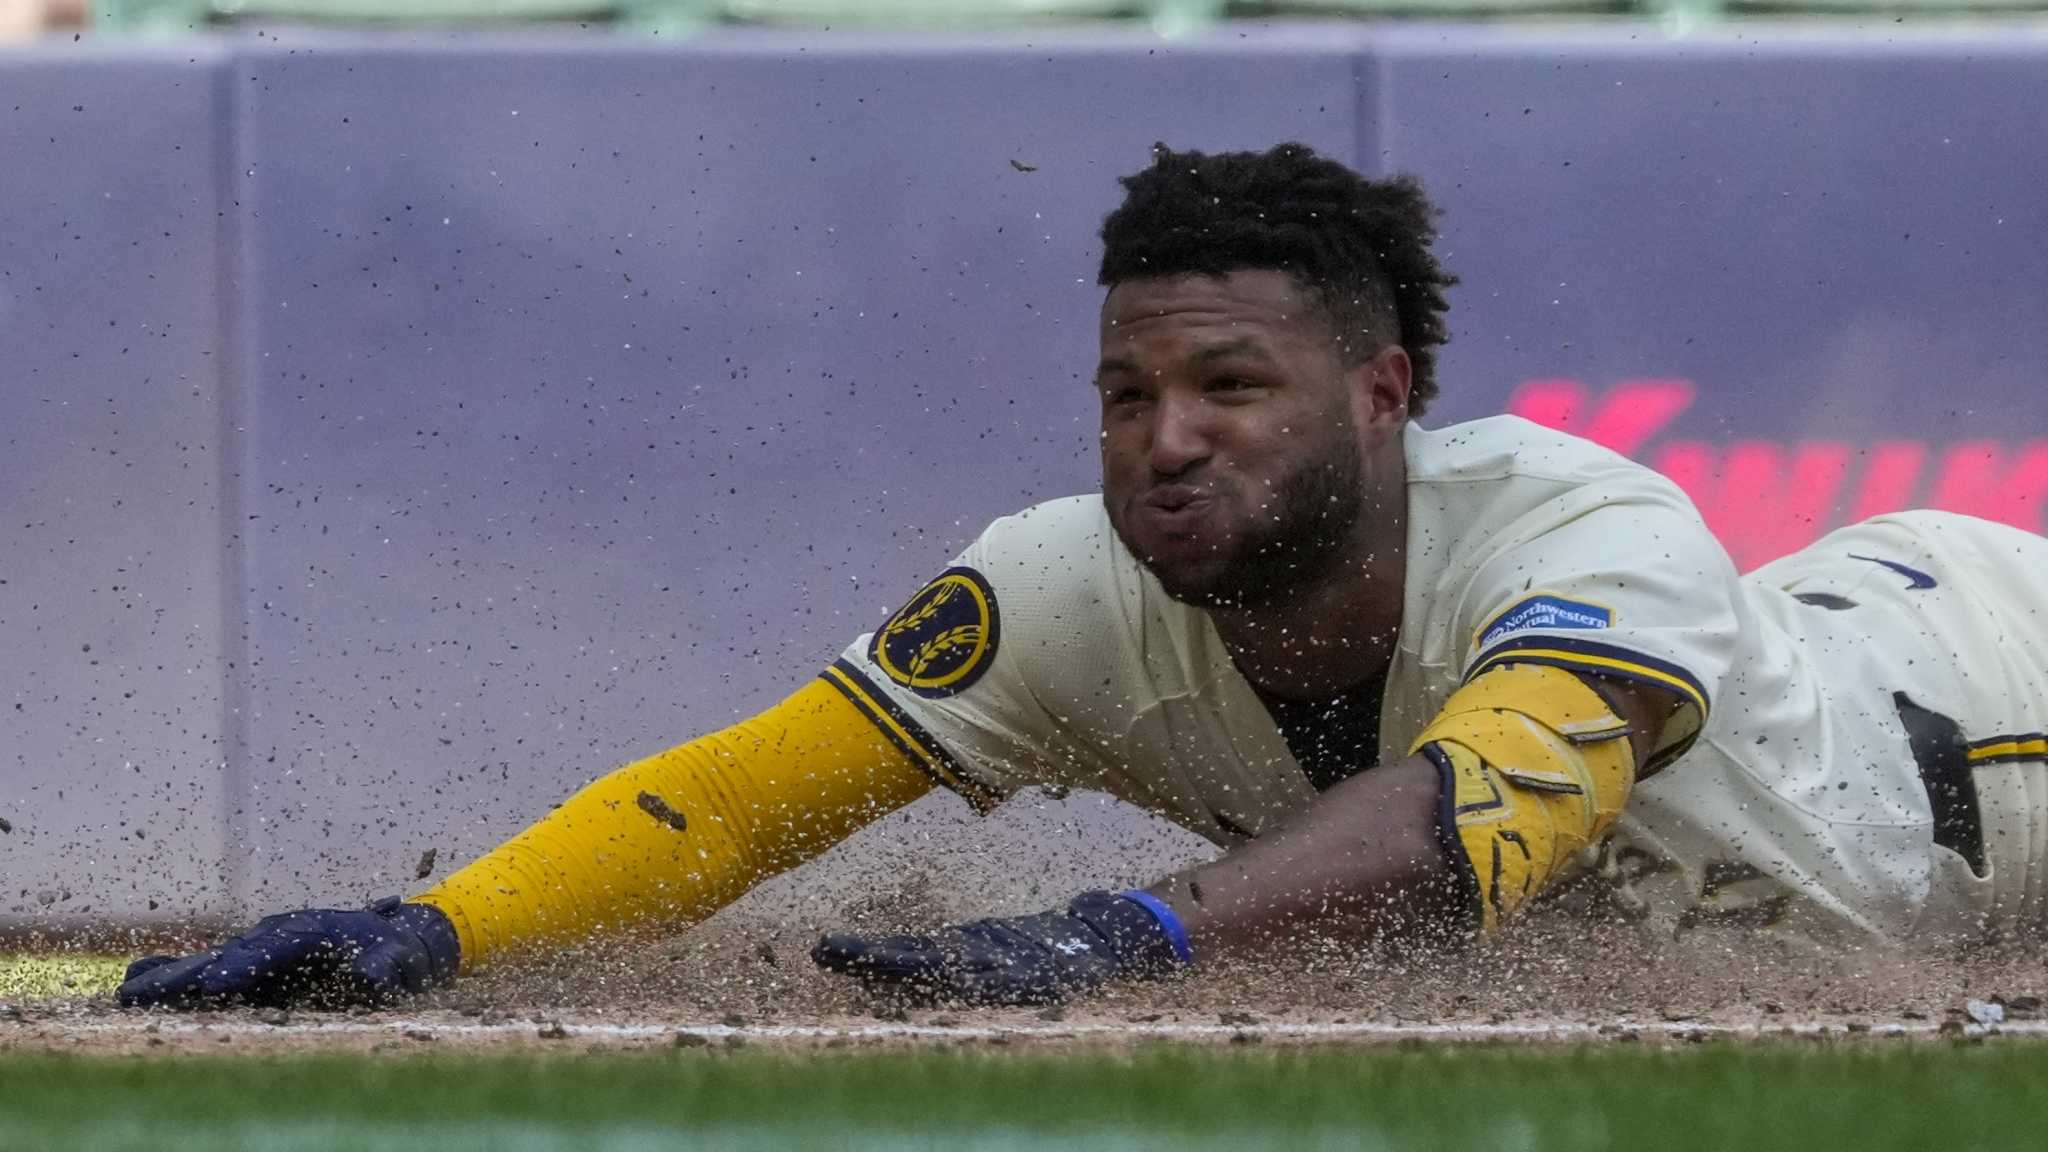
[1334, 738]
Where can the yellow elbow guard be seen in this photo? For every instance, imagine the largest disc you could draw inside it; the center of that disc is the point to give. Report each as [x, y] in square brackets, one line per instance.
[1536, 766]
[674, 837]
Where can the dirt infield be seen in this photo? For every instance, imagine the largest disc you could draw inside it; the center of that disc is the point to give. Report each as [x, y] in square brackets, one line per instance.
[735, 982]
[744, 977]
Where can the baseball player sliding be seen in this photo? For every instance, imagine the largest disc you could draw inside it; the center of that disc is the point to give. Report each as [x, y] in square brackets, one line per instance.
[1409, 678]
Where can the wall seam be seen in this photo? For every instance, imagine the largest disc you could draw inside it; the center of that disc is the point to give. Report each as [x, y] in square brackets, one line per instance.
[232, 356]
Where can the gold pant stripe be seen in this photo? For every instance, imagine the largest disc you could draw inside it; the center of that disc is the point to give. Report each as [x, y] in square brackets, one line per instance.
[2000, 749]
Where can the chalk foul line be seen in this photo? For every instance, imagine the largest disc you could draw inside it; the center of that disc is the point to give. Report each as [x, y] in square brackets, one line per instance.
[1364, 1031]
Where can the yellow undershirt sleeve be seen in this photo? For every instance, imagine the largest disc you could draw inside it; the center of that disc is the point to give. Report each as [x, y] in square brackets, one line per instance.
[676, 836]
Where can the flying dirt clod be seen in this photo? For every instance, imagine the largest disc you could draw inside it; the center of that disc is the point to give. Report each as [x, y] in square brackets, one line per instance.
[658, 808]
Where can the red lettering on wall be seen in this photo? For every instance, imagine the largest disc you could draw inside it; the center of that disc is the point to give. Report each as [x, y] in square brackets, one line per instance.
[1891, 472]
[1628, 415]
[1765, 498]
[1760, 498]
[1975, 477]
[1551, 403]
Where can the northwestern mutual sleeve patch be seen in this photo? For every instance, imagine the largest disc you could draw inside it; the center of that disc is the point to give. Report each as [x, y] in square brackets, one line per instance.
[1543, 612]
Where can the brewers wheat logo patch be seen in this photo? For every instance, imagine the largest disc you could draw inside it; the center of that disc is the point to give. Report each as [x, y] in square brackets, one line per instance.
[943, 640]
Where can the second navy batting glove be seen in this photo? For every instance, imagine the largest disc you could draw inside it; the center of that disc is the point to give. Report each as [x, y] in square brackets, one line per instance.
[1101, 936]
[319, 957]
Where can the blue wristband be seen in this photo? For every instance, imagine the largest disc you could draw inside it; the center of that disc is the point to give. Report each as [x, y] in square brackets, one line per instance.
[1168, 922]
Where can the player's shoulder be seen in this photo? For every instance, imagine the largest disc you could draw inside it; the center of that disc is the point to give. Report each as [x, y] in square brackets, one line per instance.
[1056, 539]
[1507, 448]
[1506, 465]
[1480, 489]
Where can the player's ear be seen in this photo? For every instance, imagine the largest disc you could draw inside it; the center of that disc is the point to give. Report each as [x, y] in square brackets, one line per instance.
[1380, 387]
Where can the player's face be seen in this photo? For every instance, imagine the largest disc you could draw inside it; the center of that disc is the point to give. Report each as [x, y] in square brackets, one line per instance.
[1233, 438]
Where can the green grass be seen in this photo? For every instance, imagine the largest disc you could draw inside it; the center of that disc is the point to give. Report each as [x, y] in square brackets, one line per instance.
[1868, 1098]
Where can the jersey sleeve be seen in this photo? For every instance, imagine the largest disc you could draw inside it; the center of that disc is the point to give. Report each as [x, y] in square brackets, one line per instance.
[1628, 585]
[951, 677]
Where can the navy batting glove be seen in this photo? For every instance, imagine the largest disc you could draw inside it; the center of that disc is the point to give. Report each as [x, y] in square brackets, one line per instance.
[1101, 936]
[319, 957]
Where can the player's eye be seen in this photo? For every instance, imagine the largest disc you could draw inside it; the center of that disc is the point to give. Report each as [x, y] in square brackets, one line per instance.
[1231, 384]
[1128, 394]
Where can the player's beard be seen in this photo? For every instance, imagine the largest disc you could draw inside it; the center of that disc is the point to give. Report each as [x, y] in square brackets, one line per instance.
[1297, 546]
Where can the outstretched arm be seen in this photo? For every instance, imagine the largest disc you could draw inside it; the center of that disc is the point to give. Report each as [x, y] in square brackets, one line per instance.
[668, 839]
[1372, 855]
[1526, 765]
[1368, 856]
[677, 836]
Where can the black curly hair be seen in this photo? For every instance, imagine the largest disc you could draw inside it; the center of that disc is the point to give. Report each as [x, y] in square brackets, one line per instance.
[1360, 246]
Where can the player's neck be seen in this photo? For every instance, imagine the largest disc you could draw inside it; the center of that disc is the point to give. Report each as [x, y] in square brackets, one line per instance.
[1336, 635]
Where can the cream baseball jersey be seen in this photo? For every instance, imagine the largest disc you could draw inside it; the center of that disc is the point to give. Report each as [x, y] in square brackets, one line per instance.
[1047, 655]
[1878, 745]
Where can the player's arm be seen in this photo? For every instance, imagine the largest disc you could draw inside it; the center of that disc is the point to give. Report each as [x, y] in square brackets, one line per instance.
[1526, 765]
[668, 839]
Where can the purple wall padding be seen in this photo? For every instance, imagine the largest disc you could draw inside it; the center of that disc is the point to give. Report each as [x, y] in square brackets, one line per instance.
[1833, 248]
[112, 362]
[602, 396]
[583, 394]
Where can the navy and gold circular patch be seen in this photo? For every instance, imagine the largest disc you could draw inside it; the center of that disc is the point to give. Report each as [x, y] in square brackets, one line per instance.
[943, 639]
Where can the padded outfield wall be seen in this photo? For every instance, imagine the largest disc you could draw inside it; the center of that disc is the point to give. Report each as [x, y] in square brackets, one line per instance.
[397, 431]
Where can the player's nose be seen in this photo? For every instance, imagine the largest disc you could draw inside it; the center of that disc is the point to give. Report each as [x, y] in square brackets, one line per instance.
[1179, 436]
